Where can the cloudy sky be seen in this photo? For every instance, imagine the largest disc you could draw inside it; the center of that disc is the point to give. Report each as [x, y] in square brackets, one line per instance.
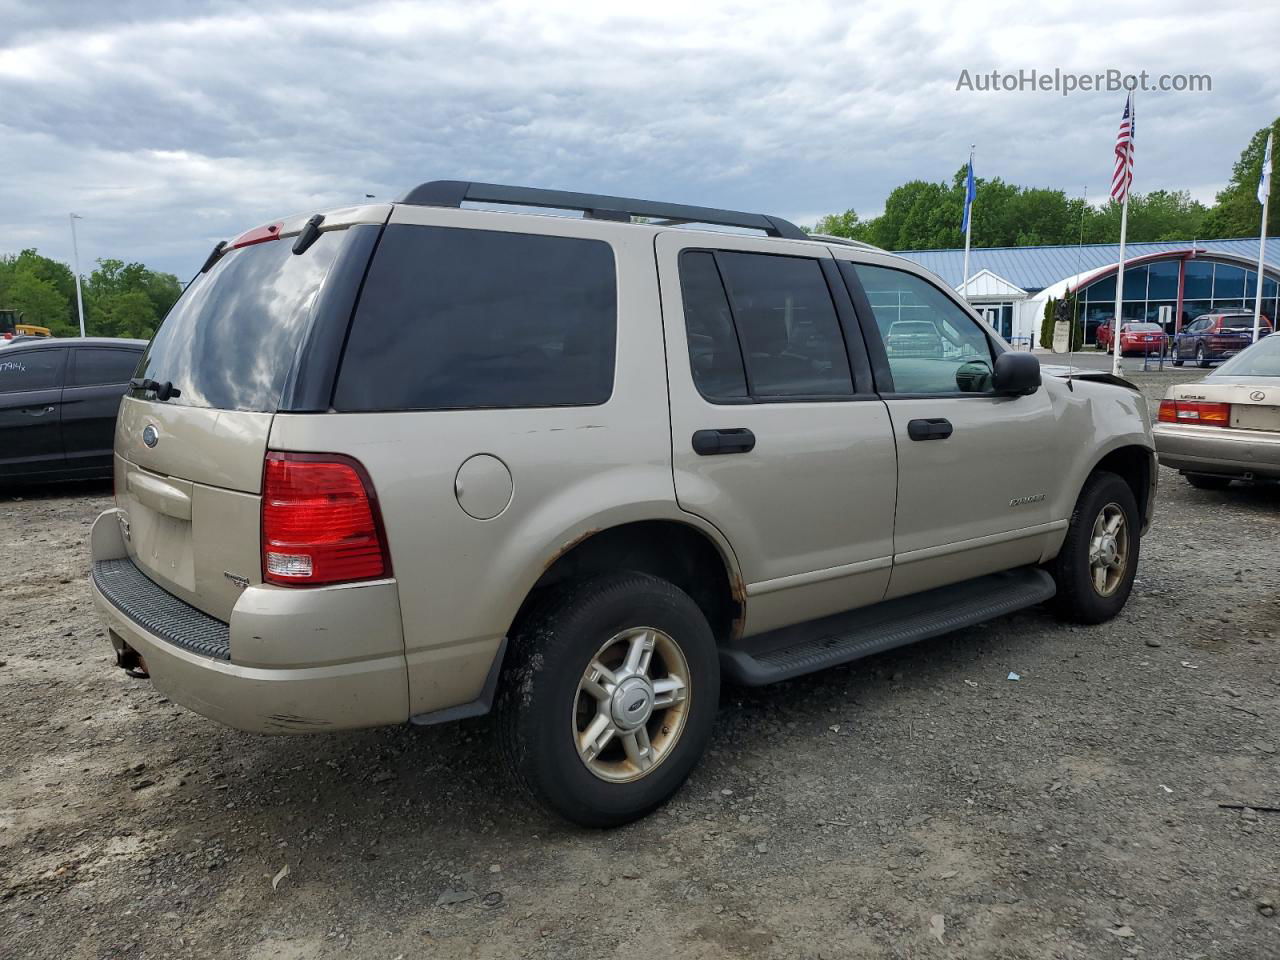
[169, 125]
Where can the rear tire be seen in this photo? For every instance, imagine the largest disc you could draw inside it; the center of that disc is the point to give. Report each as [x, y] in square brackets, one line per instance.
[1207, 481]
[570, 673]
[1202, 359]
[1095, 568]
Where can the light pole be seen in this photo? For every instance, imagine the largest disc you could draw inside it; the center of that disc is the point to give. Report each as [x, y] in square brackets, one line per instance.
[75, 256]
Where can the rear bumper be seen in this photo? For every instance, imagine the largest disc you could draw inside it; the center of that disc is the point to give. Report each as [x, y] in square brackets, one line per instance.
[1220, 451]
[290, 661]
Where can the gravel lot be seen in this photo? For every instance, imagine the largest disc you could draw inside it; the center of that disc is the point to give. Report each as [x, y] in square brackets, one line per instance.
[917, 804]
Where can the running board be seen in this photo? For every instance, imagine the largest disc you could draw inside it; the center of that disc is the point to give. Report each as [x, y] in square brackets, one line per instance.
[793, 651]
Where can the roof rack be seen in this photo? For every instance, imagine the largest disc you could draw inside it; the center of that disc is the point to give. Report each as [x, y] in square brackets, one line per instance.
[452, 193]
[846, 242]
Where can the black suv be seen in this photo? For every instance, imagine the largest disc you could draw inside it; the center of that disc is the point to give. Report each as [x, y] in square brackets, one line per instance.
[58, 403]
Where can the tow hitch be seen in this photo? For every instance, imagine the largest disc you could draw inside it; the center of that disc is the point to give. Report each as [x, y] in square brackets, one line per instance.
[128, 659]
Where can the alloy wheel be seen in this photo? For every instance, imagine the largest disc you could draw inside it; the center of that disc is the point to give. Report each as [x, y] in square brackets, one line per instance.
[1109, 550]
[631, 704]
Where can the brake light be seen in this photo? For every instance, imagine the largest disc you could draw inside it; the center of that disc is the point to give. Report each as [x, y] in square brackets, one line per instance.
[1195, 412]
[257, 235]
[320, 521]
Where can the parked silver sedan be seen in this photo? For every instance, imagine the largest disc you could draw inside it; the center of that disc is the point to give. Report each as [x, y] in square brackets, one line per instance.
[1227, 426]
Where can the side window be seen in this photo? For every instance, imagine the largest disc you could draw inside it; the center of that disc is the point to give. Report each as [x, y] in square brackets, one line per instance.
[933, 346]
[101, 365]
[714, 354]
[787, 325]
[30, 369]
[455, 319]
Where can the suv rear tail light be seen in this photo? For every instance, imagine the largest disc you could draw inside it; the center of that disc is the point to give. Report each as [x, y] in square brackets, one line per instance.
[1195, 412]
[257, 235]
[320, 521]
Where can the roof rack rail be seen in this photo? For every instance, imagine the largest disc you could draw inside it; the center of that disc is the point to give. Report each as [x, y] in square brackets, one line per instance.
[452, 193]
[846, 242]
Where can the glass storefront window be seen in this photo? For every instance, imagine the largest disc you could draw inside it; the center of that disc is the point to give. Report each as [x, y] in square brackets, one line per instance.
[1163, 282]
[1198, 284]
[1135, 283]
[1228, 282]
[1102, 291]
[1192, 309]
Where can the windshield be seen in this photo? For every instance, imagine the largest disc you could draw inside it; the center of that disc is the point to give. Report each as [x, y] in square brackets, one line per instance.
[230, 340]
[1142, 327]
[1262, 359]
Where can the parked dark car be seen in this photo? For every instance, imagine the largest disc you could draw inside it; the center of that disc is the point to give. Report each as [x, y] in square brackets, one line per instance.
[1215, 336]
[58, 403]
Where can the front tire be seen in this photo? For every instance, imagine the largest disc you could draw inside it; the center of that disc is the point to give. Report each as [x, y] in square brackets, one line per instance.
[1099, 557]
[1176, 356]
[608, 698]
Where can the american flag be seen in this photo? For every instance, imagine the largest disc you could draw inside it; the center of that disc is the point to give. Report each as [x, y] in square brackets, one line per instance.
[1122, 179]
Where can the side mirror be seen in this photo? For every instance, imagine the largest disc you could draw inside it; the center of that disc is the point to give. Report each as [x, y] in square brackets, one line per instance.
[1016, 374]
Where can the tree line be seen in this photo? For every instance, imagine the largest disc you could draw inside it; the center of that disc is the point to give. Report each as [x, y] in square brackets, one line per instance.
[920, 215]
[120, 299]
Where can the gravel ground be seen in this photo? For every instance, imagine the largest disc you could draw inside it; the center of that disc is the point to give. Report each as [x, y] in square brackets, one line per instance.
[917, 804]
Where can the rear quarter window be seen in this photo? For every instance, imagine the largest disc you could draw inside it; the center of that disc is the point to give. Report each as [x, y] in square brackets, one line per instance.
[460, 319]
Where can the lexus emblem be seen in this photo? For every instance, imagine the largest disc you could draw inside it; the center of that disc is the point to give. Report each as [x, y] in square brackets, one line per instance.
[1257, 396]
[150, 435]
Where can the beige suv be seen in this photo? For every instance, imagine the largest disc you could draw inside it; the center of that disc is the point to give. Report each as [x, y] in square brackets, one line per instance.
[414, 461]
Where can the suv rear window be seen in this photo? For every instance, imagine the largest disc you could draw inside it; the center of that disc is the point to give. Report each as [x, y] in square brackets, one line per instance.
[229, 341]
[453, 319]
[1238, 322]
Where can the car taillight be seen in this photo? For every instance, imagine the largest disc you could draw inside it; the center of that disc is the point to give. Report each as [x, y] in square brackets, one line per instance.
[320, 521]
[1195, 412]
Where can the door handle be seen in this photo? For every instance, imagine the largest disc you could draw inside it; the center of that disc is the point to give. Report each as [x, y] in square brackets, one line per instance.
[710, 443]
[37, 411]
[935, 428]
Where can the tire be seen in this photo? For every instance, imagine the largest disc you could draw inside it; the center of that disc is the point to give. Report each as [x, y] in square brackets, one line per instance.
[1079, 598]
[1202, 359]
[1207, 481]
[1176, 357]
[545, 708]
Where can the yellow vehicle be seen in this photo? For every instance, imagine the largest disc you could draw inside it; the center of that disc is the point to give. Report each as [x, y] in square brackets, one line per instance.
[11, 326]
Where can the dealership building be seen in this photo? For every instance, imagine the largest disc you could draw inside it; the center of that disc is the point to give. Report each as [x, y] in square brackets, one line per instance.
[1010, 285]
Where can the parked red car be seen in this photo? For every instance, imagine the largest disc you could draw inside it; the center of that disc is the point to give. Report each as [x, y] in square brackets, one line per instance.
[1134, 337]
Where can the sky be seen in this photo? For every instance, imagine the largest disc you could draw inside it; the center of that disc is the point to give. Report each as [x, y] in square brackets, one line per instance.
[170, 125]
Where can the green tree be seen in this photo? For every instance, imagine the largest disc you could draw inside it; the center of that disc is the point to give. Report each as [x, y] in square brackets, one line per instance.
[1237, 212]
[127, 300]
[844, 224]
[38, 300]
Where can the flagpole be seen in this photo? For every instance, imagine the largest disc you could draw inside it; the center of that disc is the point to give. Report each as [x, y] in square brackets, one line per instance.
[968, 230]
[1262, 243]
[1115, 331]
[1116, 349]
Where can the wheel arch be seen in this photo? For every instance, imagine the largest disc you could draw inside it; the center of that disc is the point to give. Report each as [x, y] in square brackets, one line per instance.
[685, 554]
[1136, 465]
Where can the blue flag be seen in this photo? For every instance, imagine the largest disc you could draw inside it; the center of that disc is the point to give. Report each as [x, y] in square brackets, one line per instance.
[970, 191]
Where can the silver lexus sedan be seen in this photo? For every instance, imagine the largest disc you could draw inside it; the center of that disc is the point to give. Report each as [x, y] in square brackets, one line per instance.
[1227, 426]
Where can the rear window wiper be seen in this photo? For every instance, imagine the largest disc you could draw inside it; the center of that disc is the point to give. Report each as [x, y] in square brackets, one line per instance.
[214, 256]
[163, 389]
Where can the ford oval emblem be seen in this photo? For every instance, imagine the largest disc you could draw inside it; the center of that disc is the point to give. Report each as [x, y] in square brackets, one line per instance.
[150, 435]
[1257, 396]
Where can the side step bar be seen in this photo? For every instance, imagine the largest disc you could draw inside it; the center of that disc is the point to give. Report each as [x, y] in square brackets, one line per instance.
[818, 644]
